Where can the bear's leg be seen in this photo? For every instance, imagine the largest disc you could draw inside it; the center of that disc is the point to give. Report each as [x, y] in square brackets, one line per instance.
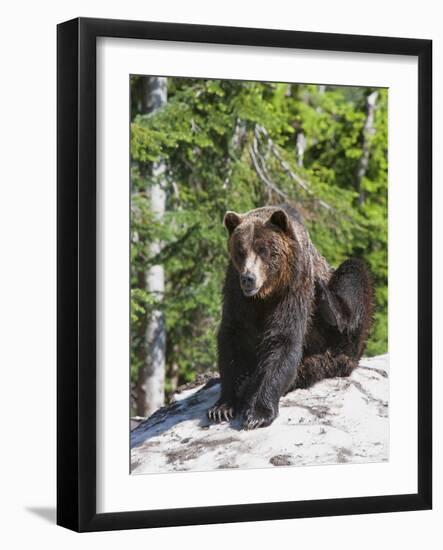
[352, 293]
[224, 408]
[320, 366]
[345, 309]
[274, 375]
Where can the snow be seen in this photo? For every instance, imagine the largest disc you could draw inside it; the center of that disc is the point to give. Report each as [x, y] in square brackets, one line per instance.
[340, 420]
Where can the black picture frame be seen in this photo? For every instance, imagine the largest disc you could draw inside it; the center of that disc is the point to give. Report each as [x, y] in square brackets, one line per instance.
[76, 273]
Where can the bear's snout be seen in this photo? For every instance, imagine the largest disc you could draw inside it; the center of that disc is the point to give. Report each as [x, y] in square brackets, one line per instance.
[248, 283]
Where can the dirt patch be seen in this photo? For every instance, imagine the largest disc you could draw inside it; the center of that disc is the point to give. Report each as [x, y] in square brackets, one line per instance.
[343, 455]
[135, 464]
[373, 369]
[227, 466]
[181, 455]
[211, 444]
[281, 460]
[196, 449]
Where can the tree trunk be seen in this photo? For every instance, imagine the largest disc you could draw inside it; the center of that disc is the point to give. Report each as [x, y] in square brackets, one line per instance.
[368, 131]
[300, 146]
[152, 382]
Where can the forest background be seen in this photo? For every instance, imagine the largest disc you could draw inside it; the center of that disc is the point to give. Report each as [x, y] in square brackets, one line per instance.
[201, 147]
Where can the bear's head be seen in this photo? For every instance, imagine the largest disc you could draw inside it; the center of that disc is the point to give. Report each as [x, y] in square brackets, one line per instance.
[262, 247]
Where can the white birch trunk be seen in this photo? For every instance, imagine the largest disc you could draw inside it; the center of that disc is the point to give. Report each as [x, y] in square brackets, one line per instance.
[368, 131]
[300, 146]
[153, 386]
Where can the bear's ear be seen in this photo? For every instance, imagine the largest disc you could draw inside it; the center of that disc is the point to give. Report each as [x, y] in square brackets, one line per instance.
[231, 221]
[281, 220]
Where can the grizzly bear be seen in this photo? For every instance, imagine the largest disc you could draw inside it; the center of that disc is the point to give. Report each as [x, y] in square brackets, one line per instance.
[288, 318]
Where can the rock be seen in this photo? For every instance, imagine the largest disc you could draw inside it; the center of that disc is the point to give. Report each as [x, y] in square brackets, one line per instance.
[340, 420]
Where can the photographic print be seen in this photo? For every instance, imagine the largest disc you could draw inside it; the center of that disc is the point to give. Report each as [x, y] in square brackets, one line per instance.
[223, 351]
[259, 266]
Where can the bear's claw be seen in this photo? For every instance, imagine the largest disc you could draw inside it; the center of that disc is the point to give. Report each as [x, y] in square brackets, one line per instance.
[253, 420]
[221, 412]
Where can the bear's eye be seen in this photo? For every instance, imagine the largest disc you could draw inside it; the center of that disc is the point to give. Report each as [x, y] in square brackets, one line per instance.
[239, 255]
[262, 250]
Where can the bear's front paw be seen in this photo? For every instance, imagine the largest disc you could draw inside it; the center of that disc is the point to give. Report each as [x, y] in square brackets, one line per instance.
[221, 412]
[258, 417]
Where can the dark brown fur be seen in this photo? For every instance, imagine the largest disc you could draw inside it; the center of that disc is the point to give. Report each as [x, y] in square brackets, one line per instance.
[288, 319]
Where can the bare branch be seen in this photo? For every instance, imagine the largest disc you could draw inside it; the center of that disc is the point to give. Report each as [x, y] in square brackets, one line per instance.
[286, 167]
[261, 170]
